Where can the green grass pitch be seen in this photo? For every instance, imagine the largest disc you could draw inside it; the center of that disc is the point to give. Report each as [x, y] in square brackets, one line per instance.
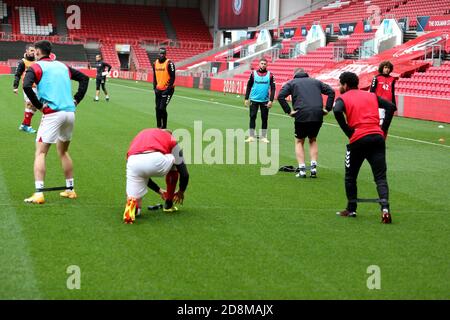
[239, 235]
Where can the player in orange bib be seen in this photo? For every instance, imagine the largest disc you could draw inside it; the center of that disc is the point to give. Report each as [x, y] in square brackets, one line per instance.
[163, 85]
[27, 61]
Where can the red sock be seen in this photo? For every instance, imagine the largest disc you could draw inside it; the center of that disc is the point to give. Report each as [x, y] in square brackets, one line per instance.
[171, 182]
[28, 115]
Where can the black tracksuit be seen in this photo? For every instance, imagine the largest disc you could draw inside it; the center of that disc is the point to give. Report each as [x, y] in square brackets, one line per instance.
[371, 147]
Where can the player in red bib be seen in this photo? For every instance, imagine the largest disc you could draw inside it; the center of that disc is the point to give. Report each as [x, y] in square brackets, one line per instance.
[154, 153]
[361, 124]
[383, 85]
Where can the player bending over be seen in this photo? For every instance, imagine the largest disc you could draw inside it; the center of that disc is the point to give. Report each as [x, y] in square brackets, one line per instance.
[154, 153]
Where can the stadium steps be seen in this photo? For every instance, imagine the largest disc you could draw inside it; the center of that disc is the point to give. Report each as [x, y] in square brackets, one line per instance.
[446, 56]
[332, 38]
[152, 55]
[109, 54]
[61, 25]
[170, 30]
[409, 35]
[139, 58]
[352, 56]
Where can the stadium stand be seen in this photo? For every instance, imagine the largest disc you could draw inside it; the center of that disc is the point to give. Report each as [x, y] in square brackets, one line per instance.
[355, 40]
[109, 54]
[358, 10]
[192, 29]
[180, 54]
[434, 82]
[112, 23]
[415, 8]
[284, 68]
[3, 11]
[140, 58]
[29, 19]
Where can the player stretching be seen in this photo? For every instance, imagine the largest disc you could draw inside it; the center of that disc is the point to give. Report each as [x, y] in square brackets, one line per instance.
[100, 79]
[367, 140]
[154, 153]
[26, 62]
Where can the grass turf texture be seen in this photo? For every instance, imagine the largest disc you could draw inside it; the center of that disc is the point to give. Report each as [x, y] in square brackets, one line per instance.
[239, 235]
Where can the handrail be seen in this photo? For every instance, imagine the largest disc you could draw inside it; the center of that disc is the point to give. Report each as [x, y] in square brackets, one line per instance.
[73, 39]
[209, 53]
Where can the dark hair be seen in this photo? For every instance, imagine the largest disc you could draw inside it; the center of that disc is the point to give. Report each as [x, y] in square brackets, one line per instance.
[385, 64]
[297, 70]
[349, 78]
[28, 46]
[45, 46]
[263, 59]
[162, 50]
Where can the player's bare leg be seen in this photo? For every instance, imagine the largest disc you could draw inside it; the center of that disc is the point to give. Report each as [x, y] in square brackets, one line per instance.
[313, 153]
[105, 92]
[171, 182]
[67, 166]
[300, 154]
[39, 172]
[28, 115]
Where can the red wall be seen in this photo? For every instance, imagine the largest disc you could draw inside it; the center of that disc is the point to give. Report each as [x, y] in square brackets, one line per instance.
[5, 69]
[414, 107]
[427, 109]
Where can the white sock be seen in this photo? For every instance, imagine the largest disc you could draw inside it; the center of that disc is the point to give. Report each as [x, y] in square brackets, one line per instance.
[301, 166]
[107, 97]
[313, 163]
[69, 184]
[264, 133]
[96, 97]
[39, 185]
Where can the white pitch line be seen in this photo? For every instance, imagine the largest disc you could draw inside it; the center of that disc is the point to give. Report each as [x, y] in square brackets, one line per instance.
[189, 208]
[281, 115]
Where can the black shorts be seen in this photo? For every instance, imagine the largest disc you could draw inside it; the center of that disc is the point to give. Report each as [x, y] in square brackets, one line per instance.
[99, 81]
[307, 129]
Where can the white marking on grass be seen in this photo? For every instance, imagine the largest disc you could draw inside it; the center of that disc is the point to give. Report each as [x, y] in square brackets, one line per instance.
[296, 209]
[16, 270]
[281, 115]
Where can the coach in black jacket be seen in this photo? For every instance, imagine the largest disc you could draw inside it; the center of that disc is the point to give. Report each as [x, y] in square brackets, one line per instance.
[308, 113]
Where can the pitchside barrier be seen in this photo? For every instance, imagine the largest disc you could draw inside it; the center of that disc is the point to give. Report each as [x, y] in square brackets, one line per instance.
[424, 108]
